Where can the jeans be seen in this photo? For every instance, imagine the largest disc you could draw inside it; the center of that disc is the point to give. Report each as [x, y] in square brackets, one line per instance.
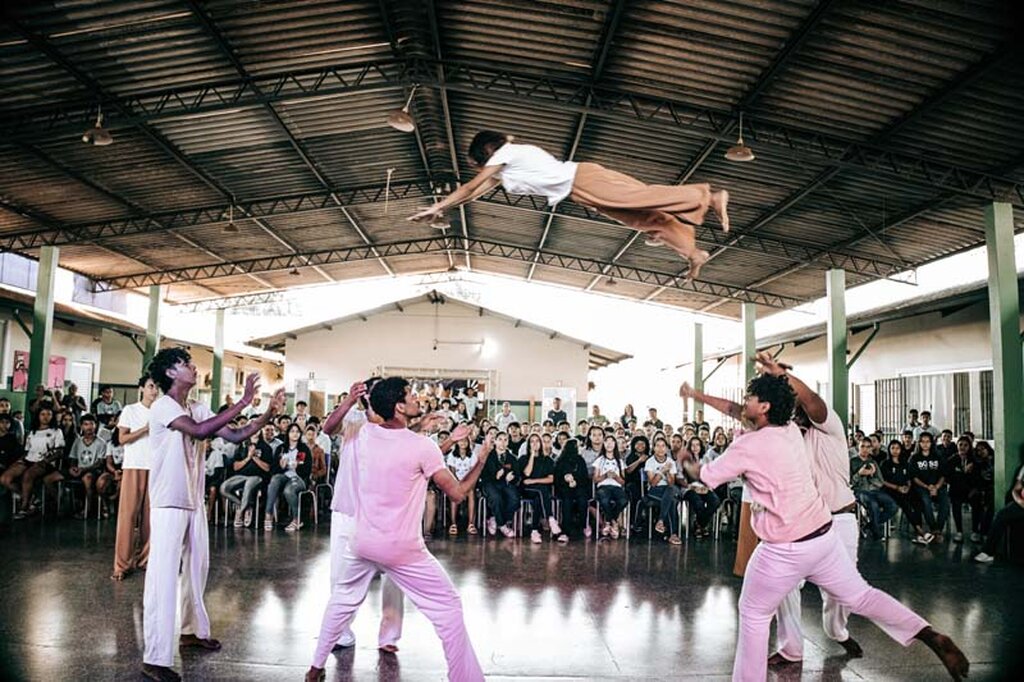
[502, 500]
[936, 519]
[611, 500]
[291, 488]
[247, 484]
[539, 498]
[1011, 513]
[981, 508]
[880, 509]
[702, 506]
[908, 503]
[665, 497]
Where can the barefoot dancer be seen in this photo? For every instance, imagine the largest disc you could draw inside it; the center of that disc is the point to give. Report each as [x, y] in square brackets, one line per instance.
[666, 212]
[797, 539]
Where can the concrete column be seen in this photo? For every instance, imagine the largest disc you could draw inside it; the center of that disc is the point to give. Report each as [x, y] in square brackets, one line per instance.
[838, 396]
[42, 318]
[748, 316]
[1004, 318]
[218, 360]
[153, 327]
[698, 364]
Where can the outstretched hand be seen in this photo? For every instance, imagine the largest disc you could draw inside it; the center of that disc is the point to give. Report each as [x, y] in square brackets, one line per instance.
[687, 391]
[428, 423]
[768, 364]
[252, 387]
[429, 213]
[277, 402]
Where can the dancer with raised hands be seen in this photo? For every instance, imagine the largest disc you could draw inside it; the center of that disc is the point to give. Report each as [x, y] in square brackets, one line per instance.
[667, 213]
[794, 523]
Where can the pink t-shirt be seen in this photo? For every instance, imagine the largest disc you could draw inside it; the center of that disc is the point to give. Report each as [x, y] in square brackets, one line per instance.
[785, 504]
[830, 461]
[391, 470]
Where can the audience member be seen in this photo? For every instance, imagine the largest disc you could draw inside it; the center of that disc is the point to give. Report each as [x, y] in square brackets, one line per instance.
[926, 427]
[291, 466]
[500, 487]
[1013, 512]
[538, 471]
[610, 493]
[572, 485]
[556, 413]
[44, 450]
[662, 492]
[703, 503]
[897, 483]
[86, 461]
[928, 472]
[105, 407]
[867, 483]
[460, 462]
[248, 472]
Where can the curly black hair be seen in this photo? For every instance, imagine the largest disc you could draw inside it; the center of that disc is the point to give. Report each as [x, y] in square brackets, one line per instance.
[484, 144]
[776, 391]
[386, 394]
[163, 361]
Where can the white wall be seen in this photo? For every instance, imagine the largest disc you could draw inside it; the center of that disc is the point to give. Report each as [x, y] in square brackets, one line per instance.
[526, 360]
[79, 343]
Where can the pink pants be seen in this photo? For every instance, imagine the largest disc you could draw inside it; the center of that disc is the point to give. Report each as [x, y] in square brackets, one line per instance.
[425, 582]
[834, 615]
[775, 569]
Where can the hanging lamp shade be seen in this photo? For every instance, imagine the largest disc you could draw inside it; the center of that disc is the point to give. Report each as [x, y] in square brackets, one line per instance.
[98, 136]
[740, 152]
[400, 119]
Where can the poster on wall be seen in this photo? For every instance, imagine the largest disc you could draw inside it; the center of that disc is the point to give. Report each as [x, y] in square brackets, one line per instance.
[568, 398]
[19, 382]
[55, 373]
[58, 370]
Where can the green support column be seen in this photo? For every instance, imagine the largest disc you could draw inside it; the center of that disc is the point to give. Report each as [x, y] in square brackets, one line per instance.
[838, 375]
[749, 316]
[42, 318]
[218, 360]
[698, 364]
[153, 327]
[1004, 318]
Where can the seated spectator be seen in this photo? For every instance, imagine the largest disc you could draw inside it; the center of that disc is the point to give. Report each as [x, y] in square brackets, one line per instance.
[653, 419]
[218, 456]
[547, 444]
[461, 461]
[582, 429]
[538, 472]
[627, 417]
[897, 483]
[876, 448]
[704, 434]
[928, 472]
[461, 413]
[44, 450]
[596, 417]
[912, 422]
[946, 447]
[505, 417]
[1013, 512]
[67, 428]
[609, 479]
[866, 481]
[730, 494]
[485, 427]
[500, 487]
[960, 477]
[661, 472]
[293, 464]
[558, 446]
[983, 490]
[86, 461]
[248, 471]
[591, 450]
[926, 426]
[105, 407]
[572, 485]
[703, 502]
[676, 450]
[516, 439]
[10, 448]
[907, 443]
[638, 453]
[319, 473]
[16, 427]
[108, 486]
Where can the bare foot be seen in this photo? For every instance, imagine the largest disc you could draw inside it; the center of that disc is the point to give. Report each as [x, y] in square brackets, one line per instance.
[948, 652]
[720, 205]
[697, 260]
[315, 674]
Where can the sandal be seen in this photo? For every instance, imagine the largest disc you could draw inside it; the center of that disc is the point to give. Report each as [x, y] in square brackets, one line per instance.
[452, 530]
[117, 577]
[471, 529]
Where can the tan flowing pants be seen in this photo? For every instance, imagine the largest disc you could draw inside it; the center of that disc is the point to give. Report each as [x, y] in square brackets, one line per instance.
[133, 511]
[746, 543]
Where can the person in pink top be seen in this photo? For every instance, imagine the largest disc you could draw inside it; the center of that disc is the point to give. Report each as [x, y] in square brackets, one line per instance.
[391, 466]
[795, 527]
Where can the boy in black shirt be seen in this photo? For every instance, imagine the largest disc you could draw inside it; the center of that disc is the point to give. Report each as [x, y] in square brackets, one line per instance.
[556, 413]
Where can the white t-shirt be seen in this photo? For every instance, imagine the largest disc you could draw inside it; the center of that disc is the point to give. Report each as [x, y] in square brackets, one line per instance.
[38, 444]
[830, 462]
[324, 441]
[88, 456]
[133, 418]
[461, 465]
[503, 420]
[116, 453]
[178, 463]
[603, 465]
[531, 170]
[653, 466]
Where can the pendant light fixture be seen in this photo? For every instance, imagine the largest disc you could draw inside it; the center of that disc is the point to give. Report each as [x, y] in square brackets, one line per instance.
[400, 119]
[231, 227]
[740, 152]
[294, 272]
[98, 135]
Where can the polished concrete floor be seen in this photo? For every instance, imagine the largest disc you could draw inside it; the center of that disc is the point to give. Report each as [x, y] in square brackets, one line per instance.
[613, 610]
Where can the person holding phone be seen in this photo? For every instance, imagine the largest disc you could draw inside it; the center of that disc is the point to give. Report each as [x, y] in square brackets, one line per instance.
[662, 473]
[294, 465]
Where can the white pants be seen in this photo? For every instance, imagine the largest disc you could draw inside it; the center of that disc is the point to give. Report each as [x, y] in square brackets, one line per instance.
[775, 569]
[834, 615]
[179, 547]
[428, 586]
[392, 599]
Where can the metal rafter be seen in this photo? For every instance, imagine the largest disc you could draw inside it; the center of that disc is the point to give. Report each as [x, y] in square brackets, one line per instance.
[779, 248]
[552, 92]
[439, 245]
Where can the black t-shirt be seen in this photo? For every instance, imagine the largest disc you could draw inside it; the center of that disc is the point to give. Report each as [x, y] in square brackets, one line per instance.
[515, 445]
[634, 477]
[263, 451]
[928, 470]
[897, 473]
[506, 461]
[543, 467]
[945, 451]
[557, 416]
[10, 450]
[955, 472]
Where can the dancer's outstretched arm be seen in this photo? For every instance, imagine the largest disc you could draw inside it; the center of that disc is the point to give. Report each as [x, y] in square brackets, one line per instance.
[486, 178]
[337, 417]
[455, 489]
[727, 407]
[812, 403]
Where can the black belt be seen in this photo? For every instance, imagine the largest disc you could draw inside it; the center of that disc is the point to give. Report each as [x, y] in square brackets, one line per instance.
[848, 509]
[816, 534]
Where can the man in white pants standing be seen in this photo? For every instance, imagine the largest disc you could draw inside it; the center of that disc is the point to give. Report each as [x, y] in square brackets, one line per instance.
[178, 535]
[343, 523]
[392, 466]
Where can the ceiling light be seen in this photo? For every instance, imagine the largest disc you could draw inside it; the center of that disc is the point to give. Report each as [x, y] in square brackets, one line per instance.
[611, 282]
[294, 272]
[231, 227]
[399, 119]
[740, 151]
[98, 135]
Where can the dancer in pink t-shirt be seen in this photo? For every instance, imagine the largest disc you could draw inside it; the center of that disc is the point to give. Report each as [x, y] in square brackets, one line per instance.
[391, 466]
[795, 527]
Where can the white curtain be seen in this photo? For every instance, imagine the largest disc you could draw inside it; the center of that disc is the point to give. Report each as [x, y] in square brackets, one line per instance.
[932, 392]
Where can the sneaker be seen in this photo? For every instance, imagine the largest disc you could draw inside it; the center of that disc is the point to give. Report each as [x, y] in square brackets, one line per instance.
[615, 531]
[983, 558]
[239, 519]
[553, 525]
[958, 537]
[507, 531]
[674, 540]
[606, 530]
[586, 532]
[20, 514]
[975, 537]
[492, 526]
[248, 517]
[535, 537]
[563, 538]
[268, 522]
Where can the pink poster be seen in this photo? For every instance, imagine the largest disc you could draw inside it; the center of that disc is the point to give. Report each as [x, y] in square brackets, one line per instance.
[57, 371]
[19, 381]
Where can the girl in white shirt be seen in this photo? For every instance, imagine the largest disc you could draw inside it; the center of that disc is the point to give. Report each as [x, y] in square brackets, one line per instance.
[44, 449]
[461, 461]
[609, 477]
[667, 213]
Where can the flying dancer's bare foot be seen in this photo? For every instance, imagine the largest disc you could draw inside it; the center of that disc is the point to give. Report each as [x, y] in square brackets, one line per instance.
[697, 260]
[720, 205]
[948, 652]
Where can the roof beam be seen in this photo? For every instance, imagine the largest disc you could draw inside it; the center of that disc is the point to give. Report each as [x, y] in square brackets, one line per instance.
[439, 245]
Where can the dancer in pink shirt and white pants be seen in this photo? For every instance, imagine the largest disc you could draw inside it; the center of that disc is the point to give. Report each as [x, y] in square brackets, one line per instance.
[392, 466]
[797, 539]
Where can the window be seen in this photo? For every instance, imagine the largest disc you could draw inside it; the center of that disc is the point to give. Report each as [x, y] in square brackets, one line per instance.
[987, 398]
